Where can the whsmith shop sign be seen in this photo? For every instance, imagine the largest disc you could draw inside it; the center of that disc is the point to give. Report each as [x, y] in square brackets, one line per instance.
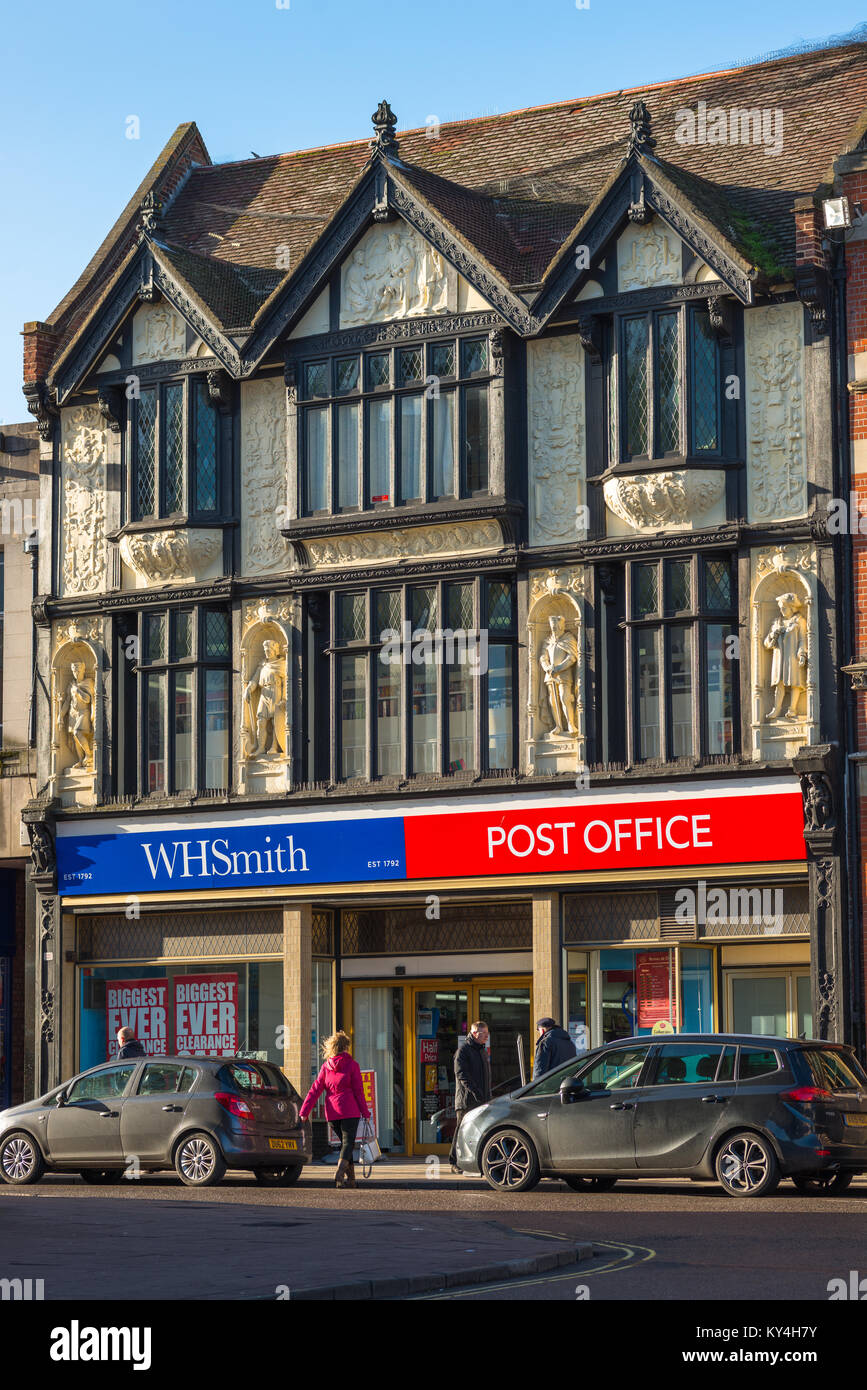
[533, 833]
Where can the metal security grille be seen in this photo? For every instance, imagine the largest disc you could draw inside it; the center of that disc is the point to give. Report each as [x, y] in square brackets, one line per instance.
[758, 914]
[180, 935]
[599, 917]
[462, 927]
[323, 934]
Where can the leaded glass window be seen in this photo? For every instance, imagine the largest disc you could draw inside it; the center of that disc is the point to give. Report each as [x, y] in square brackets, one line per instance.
[419, 691]
[185, 705]
[664, 400]
[417, 431]
[668, 383]
[635, 384]
[705, 386]
[175, 449]
[680, 677]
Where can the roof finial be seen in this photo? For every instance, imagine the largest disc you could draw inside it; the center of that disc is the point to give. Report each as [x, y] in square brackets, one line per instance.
[150, 209]
[384, 124]
[640, 139]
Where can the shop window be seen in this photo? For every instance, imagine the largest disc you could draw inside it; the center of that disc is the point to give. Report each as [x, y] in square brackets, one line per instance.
[175, 451]
[424, 680]
[772, 1002]
[394, 426]
[680, 672]
[377, 1045]
[184, 700]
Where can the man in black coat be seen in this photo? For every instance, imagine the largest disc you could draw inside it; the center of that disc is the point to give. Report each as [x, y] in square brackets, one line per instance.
[128, 1045]
[472, 1078]
[553, 1047]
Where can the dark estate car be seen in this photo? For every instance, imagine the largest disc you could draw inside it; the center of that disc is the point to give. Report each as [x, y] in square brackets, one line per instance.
[198, 1115]
[745, 1110]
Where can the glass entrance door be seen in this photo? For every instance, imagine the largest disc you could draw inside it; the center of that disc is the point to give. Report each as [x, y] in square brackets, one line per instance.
[506, 1010]
[440, 1022]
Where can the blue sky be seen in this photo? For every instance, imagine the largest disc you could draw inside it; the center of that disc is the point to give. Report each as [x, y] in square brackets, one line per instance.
[257, 76]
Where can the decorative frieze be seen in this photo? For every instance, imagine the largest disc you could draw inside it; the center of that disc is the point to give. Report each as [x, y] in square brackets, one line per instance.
[263, 478]
[393, 273]
[460, 538]
[776, 431]
[783, 651]
[84, 553]
[681, 499]
[159, 333]
[648, 255]
[181, 556]
[557, 440]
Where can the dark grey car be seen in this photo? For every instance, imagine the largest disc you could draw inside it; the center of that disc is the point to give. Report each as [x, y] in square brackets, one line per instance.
[744, 1110]
[198, 1115]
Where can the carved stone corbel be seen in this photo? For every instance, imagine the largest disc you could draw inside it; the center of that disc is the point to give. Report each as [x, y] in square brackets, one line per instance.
[590, 335]
[812, 287]
[290, 376]
[221, 390]
[720, 313]
[41, 405]
[110, 399]
[498, 348]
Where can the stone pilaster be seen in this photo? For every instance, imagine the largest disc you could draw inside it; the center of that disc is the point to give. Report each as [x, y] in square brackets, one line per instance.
[297, 992]
[830, 985]
[547, 958]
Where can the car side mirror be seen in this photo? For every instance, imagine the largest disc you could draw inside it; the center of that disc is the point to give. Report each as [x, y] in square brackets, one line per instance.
[571, 1090]
[61, 1098]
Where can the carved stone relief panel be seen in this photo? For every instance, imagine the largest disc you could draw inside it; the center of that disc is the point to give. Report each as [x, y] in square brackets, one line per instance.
[556, 434]
[648, 255]
[776, 434]
[393, 273]
[266, 725]
[263, 478]
[158, 334]
[458, 538]
[783, 651]
[76, 711]
[181, 556]
[556, 724]
[683, 499]
[84, 553]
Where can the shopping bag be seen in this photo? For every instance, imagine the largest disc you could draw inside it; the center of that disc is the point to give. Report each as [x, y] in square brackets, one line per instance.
[368, 1148]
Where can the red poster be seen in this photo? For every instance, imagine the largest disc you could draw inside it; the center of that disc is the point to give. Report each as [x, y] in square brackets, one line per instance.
[206, 1015]
[429, 1050]
[368, 1081]
[143, 1006]
[653, 986]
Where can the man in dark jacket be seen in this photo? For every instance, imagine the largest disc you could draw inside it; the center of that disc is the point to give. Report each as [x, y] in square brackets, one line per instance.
[553, 1047]
[128, 1045]
[472, 1078]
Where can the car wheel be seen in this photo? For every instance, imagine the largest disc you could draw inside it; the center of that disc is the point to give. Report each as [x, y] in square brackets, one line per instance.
[510, 1162]
[746, 1166]
[100, 1176]
[590, 1184]
[198, 1161]
[821, 1184]
[21, 1160]
[278, 1177]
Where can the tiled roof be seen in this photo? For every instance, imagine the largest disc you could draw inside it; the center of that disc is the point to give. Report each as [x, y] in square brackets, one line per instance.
[513, 185]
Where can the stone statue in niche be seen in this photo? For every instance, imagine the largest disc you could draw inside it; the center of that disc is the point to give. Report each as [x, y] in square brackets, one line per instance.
[75, 715]
[264, 697]
[818, 806]
[41, 848]
[787, 639]
[559, 660]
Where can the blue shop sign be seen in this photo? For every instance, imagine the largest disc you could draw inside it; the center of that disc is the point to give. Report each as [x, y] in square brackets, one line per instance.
[239, 856]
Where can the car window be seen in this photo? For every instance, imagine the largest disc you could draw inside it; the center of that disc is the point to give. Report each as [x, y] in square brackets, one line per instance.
[186, 1079]
[616, 1069]
[161, 1077]
[551, 1082]
[756, 1061]
[108, 1084]
[686, 1064]
[834, 1072]
[727, 1066]
[254, 1077]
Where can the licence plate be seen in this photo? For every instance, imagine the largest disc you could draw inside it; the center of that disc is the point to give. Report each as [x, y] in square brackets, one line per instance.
[855, 1119]
[283, 1143]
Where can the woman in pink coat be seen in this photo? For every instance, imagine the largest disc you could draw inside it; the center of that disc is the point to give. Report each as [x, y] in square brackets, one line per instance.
[340, 1079]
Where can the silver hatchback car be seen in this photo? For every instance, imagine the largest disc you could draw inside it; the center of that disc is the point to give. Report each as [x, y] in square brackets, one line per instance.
[198, 1115]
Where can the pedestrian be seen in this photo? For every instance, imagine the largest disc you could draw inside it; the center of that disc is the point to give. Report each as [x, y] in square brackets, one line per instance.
[340, 1078]
[472, 1079]
[128, 1045]
[553, 1047]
